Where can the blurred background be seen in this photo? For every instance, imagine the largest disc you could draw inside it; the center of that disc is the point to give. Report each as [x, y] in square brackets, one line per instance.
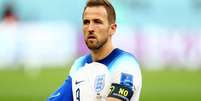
[40, 39]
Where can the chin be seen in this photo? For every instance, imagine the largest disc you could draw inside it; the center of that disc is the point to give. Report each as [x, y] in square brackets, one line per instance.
[92, 47]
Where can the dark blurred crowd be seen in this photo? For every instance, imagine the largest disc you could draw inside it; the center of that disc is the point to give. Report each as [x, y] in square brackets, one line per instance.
[8, 14]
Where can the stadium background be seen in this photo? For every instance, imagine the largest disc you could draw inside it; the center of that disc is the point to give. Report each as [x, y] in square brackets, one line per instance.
[41, 38]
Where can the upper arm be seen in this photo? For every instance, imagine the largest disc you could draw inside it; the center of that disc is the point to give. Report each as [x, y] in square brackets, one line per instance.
[112, 99]
[127, 72]
[64, 93]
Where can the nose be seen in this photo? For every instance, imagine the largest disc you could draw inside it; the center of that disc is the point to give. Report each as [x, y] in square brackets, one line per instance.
[91, 27]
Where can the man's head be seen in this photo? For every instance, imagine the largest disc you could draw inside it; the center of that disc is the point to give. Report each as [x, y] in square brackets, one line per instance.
[106, 4]
[98, 23]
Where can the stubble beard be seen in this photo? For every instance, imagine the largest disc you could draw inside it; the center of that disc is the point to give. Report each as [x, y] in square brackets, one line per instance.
[97, 44]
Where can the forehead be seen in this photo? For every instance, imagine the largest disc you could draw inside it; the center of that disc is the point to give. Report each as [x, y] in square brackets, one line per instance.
[95, 12]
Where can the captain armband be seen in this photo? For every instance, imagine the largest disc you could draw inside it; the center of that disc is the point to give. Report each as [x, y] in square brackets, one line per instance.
[121, 92]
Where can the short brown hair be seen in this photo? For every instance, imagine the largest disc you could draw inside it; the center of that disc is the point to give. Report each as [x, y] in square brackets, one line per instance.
[107, 5]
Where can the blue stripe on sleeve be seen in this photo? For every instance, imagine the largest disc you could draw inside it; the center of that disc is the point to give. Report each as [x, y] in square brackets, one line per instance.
[64, 93]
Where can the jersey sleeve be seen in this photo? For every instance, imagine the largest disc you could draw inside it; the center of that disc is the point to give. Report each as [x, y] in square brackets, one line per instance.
[126, 71]
[64, 93]
[77, 65]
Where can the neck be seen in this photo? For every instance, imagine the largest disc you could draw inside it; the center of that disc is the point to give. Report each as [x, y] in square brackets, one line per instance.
[102, 52]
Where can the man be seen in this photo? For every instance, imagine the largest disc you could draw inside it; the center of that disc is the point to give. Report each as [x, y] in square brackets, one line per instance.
[107, 73]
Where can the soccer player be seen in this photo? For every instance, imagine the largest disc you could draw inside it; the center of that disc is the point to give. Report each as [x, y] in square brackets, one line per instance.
[106, 73]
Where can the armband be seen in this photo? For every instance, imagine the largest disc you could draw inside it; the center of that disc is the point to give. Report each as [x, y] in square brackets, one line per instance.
[121, 92]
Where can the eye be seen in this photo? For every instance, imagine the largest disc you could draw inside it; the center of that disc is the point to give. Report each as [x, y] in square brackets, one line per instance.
[98, 21]
[86, 22]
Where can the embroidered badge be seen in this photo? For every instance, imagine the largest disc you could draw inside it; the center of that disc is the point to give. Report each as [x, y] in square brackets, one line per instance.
[99, 83]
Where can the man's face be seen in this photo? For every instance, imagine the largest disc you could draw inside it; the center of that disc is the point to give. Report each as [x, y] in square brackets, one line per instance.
[96, 27]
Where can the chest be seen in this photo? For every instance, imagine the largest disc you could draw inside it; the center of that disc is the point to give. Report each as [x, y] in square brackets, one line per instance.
[91, 83]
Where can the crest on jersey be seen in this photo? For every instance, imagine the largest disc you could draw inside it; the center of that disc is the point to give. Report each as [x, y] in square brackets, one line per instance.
[99, 83]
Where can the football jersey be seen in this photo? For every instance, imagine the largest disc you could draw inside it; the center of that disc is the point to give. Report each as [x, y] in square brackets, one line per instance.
[91, 81]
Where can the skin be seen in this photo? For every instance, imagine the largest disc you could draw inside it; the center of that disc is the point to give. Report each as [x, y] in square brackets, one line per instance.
[98, 34]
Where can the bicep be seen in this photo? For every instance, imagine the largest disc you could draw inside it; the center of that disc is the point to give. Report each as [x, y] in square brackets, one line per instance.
[64, 93]
[129, 75]
[112, 99]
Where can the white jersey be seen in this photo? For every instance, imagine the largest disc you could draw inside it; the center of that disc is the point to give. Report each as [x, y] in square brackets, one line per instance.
[91, 81]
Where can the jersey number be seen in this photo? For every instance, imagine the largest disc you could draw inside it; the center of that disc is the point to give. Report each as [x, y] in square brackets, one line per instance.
[78, 94]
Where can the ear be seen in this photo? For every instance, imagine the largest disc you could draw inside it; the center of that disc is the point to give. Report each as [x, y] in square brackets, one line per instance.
[113, 28]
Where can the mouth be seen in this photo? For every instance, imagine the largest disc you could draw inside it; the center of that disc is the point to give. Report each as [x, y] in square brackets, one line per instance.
[91, 37]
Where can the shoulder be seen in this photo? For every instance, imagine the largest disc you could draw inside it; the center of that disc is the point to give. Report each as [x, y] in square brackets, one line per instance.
[125, 65]
[125, 61]
[126, 70]
[78, 63]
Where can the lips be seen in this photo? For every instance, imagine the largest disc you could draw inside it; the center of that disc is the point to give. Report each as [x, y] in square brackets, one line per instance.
[91, 37]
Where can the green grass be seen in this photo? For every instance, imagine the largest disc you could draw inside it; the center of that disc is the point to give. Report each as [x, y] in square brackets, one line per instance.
[171, 86]
[17, 85]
